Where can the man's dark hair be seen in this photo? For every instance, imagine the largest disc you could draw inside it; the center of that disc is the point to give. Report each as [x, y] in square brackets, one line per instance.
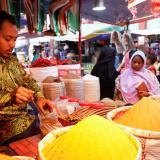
[152, 58]
[4, 16]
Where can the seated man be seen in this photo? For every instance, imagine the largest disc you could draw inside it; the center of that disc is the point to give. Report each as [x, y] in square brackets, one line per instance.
[16, 88]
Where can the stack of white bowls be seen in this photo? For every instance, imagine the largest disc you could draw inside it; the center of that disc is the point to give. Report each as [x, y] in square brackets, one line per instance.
[53, 91]
[74, 88]
[91, 88]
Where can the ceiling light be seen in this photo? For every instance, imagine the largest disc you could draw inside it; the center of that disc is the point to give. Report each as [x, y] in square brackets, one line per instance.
[99, 5]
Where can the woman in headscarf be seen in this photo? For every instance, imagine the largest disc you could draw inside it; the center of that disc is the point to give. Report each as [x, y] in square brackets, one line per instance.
[135, 75]
[105, 70]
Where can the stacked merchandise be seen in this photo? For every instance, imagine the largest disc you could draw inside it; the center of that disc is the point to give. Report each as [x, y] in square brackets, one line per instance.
[86, 110]
[91, 88]
[84, 141]
[53, 88]
[42, 68]
[74, 86]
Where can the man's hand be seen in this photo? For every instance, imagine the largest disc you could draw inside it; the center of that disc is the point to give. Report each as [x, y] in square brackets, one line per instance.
[24, 95]
[142, 94]
[44, 104]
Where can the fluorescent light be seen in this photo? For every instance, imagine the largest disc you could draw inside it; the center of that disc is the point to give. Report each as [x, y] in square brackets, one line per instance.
[102, 8]
[99, 5]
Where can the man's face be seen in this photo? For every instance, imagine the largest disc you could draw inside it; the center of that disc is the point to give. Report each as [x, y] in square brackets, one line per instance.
[8, 36]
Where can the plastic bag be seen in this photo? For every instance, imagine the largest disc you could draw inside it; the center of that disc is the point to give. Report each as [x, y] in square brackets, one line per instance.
[66, 107]
[49, 122]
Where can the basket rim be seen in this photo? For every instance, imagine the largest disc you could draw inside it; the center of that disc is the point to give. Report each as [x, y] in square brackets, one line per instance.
[137, 132]
[65, 129]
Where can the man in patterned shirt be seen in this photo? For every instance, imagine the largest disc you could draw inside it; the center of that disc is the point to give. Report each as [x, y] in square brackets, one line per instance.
[17, 89]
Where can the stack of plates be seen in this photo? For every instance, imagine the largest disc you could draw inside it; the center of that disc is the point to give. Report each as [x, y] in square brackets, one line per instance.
[91, 88]
[74, 88]
[52, 91]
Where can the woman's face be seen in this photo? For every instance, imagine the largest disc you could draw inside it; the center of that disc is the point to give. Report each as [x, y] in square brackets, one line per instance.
[137, 63]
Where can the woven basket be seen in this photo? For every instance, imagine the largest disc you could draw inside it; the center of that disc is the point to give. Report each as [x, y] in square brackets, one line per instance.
[137, 132]
[52, 135]
[58, 132]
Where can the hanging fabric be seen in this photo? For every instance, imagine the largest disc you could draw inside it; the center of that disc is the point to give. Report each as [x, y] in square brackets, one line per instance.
[73, 17]
[4, 5]
[35, 15]
[15, 9]
[54, 9]
[62, 18]
[40, 16]
[29, 13]
[12, 7]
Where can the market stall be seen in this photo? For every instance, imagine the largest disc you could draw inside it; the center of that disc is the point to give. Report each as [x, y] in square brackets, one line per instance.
[81, 125]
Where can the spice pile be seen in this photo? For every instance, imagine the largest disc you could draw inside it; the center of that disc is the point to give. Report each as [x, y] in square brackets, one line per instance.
[85, 141]
[66, 62]
[41, 62]
[143, 115]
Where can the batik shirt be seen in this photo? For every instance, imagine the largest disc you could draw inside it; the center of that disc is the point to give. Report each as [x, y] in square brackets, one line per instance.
[14, 118]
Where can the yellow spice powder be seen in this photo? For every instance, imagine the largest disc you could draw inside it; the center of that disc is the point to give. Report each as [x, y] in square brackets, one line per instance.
[144, 115]
[94, 138]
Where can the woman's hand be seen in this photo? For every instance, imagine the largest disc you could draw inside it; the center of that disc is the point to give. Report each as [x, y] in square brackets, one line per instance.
[44, 104]
[142, 94]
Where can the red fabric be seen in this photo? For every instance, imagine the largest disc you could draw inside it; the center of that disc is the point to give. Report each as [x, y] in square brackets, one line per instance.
[26, 147]
[152, 69]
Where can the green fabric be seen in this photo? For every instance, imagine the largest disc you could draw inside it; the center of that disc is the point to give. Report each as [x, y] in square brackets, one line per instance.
[14, 118]
[55, 20]
[40, 15]
[14, 10]
[73, 18]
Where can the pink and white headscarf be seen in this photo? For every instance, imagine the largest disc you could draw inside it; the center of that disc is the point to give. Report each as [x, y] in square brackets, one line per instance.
[130, 78]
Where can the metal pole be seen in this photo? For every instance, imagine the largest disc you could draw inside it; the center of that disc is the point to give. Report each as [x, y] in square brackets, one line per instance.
[80, 39]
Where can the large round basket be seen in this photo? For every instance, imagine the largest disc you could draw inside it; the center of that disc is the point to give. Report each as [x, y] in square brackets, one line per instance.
[60, 131]
[137, 132]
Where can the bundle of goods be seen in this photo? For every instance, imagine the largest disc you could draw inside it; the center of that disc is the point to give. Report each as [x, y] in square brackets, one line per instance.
[91, 88]
[86, 111]
[74, 86]
[49, 122]
[84, 141]
[41, 62]
[142, 119]
[53, 88]
[66, 62]
[67, 105]
[110, 102]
